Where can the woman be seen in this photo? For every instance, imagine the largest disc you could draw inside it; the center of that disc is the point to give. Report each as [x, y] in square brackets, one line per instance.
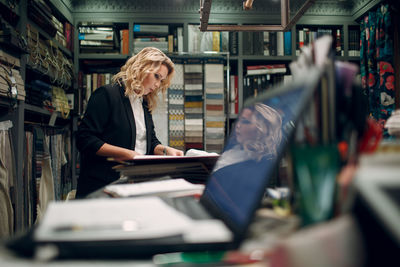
[118, 121]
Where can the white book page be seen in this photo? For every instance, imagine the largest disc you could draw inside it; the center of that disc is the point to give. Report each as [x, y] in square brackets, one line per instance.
[111, 219]
[190, 153]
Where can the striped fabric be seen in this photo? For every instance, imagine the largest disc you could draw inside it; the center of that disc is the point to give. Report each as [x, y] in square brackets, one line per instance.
[176, 117]
[214, 107]
[193, 80]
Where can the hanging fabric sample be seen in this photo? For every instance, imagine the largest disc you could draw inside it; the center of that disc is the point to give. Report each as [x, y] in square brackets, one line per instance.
[58, 155]
[6, 181]
[43, 181]
[176, 116]
[214, 107]
[30, 184]
[194, 105]
[377, 72]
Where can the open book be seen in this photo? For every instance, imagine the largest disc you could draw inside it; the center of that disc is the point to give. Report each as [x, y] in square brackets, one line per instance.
[195, 166]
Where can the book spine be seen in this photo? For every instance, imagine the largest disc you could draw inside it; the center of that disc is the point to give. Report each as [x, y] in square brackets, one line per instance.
[236, 94]
[125, 42]
[95, 36]
[266, 44]
[339, 51]
[94, 81]
[279, 44]
[273, 43]
[233, 43]
[170, 43]
[247, 43]
[301, 41]
[287, 43]
[216, 41]
[180, 39]
[162, 29]
[258, 43]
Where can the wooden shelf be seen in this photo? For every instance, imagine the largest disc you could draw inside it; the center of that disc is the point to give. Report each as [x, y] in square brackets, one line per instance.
[103, 56]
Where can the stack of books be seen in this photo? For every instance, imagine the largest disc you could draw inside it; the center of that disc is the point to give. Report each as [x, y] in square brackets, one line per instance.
[95, 38]
[261, 77]
[307, 35]
[194, 167]
[146, 35]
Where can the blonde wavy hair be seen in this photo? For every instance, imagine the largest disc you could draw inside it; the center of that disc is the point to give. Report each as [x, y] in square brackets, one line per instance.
[136, 69]
[269, 135]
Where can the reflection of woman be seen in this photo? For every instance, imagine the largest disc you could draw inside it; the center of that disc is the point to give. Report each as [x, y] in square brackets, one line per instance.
[241, 169]
[257, 132]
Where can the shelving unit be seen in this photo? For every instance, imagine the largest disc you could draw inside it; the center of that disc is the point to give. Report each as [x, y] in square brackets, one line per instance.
[23, 113]
[175, 17]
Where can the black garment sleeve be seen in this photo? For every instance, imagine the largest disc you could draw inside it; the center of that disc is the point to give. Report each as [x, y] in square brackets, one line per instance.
[89, 135]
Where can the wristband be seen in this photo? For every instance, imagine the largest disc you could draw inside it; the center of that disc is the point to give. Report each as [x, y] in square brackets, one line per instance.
[165, 151]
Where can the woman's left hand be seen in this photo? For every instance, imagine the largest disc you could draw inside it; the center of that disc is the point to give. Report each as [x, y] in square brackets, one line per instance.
[173, 151]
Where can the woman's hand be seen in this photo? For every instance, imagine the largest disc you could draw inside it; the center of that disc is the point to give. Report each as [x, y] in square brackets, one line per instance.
[167, 151]
[170, 151]
[128, 155]
[117, 153]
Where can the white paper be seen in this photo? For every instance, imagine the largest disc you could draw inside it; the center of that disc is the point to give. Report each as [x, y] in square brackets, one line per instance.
[190, 153]
[153, 187]
[208, 231]
[111, 219]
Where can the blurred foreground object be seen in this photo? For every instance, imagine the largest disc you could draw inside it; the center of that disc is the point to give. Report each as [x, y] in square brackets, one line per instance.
[393, 123]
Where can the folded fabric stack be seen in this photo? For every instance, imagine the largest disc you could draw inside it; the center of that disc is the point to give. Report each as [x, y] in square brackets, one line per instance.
[214, 107]
[11, 82]
[193, 105]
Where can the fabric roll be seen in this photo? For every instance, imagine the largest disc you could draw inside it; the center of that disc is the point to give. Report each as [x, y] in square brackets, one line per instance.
[219, 90]
[215, 87]
[192, 133]
[213, 113]
[194, 85]
[193, 122]
[46, 186]
[193, 68]
[212, 131]
[194, 92]
[189, 127]
[194, 116]
[193, 139]
[198, 110]
[28, 176]
[215, 102]
[216, 141]
[216, 124]
[6, 208]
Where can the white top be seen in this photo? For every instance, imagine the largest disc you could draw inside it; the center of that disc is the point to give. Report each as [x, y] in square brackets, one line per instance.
[232, 156]
[138, 113]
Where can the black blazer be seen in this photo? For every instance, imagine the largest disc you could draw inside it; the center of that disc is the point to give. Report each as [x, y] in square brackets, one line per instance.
[108, 119]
